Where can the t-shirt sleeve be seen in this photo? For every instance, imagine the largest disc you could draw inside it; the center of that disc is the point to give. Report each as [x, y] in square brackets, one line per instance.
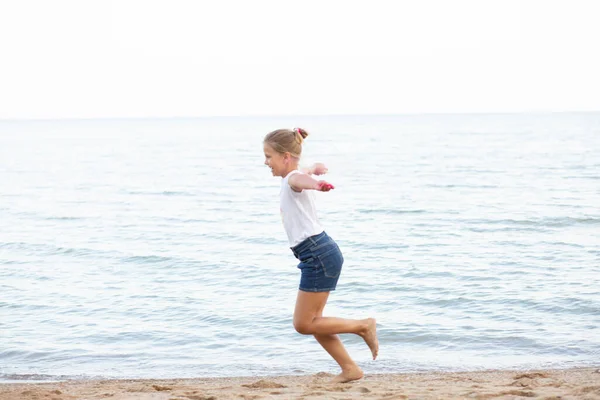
[294, 172]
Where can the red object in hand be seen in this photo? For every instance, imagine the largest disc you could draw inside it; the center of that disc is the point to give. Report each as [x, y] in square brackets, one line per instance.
[324, 186]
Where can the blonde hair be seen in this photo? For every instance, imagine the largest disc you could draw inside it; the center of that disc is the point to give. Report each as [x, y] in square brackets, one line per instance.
[287, 140]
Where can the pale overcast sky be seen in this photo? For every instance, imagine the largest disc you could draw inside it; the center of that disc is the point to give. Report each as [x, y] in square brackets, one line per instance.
[147, 58]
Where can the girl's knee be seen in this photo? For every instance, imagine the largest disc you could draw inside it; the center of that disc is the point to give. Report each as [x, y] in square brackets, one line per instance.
[303, 327]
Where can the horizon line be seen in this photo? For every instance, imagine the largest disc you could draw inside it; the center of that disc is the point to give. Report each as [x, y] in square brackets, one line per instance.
[239, 116]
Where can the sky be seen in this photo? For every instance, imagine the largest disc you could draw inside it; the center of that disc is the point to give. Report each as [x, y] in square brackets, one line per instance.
[186, 58]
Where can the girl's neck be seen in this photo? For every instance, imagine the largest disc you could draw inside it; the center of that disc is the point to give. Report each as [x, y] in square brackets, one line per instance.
[290, 169]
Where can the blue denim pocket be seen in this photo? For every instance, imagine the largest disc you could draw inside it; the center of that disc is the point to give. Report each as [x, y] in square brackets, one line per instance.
[331, 261]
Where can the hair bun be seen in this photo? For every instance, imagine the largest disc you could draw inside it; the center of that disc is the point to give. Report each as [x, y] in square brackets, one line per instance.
[302, 132]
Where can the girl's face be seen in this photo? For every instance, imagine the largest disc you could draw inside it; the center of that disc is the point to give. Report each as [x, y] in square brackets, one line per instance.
[276, 161]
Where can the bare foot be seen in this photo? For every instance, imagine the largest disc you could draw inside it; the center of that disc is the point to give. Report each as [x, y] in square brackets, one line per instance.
[348, 375]
[370, 337]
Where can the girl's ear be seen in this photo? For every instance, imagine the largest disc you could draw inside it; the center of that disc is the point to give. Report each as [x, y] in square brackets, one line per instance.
[287, 157]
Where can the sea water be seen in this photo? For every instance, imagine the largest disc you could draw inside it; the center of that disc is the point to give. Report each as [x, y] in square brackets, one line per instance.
[155, 248]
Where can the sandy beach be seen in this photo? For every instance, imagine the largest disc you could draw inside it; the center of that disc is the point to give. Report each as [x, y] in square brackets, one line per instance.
[579, 383]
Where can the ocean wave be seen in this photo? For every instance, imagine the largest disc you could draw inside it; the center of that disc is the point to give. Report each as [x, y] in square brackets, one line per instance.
[390, 211]
[551, 222]
[159, 193]
[39, 377]
[149, 259]
[45, 249]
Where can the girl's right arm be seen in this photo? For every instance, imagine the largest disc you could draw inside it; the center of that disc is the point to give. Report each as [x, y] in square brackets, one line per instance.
[300, 182]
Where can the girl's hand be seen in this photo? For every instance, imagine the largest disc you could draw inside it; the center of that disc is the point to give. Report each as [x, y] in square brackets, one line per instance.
[318, 169]
[323, 186]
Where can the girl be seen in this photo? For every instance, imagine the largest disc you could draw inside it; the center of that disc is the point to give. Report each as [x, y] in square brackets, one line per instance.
[320, 257]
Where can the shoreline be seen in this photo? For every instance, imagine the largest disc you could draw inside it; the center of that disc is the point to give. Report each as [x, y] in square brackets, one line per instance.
[549, 384]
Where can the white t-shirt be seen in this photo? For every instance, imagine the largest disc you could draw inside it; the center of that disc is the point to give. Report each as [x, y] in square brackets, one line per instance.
[298, 212]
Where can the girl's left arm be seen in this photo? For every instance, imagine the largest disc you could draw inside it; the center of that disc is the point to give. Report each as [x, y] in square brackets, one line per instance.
[315, 169]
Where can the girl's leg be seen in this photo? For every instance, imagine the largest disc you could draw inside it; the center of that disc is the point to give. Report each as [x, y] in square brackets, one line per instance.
[308, 319]
[333, 345]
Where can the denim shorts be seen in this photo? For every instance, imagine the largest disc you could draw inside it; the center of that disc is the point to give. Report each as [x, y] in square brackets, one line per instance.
[320, 263]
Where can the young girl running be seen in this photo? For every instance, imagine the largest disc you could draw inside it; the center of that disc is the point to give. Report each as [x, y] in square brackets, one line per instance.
[320, 257]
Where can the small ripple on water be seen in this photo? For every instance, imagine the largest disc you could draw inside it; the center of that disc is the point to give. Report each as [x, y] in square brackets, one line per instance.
[391, 211]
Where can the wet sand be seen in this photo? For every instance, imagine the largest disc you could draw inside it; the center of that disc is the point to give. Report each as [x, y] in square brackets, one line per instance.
[578, 383]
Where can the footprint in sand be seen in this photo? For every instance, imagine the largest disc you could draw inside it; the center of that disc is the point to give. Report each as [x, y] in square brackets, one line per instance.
[199, 397]
[531, 375]
[526, 382]
[484, 396]
[313, 394]
[337, 389]
[533, 379]
[323, 375]
[394, 396]
[263, 384]
[521, 393]
[589, 389]
[159, 388]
